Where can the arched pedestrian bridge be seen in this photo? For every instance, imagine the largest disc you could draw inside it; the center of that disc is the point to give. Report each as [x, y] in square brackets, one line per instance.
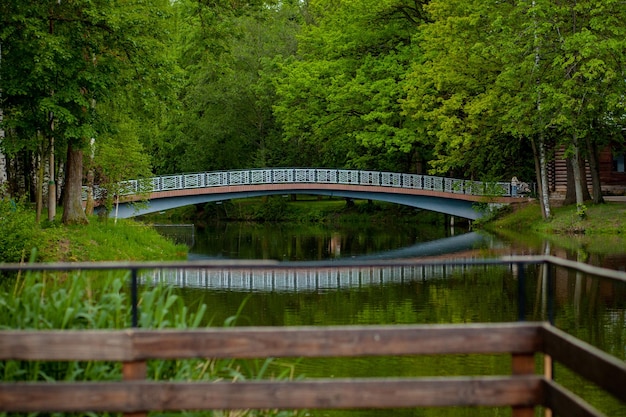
[445, 195]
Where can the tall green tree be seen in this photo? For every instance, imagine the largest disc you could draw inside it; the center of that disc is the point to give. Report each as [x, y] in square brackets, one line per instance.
[494, 74]
[229, 51]
[341, 94]
[592, 44]
[61, 59]
[450, 94]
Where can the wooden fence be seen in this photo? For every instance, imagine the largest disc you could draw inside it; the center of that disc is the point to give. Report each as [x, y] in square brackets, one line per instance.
[523, 389]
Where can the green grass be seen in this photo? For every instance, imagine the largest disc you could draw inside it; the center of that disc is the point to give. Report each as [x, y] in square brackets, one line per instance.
[599, 219]
[106, 241]
[22, 239]
[602, 231]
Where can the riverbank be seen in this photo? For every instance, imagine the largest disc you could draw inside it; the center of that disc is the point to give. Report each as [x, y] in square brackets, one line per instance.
[126, 240]
[23, 239]
[603, 227]
[601, 232]
[593, 219]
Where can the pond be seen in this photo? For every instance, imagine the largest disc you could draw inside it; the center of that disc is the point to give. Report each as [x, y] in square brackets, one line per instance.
[589, 308]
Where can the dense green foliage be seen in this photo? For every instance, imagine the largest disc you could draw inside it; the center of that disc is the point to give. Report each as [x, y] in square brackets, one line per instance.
[19, 232]
[77, 71]
[468, 89]
[340, 96]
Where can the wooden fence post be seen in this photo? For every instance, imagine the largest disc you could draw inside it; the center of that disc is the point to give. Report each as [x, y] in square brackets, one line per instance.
[547, 373]
[523, 364]
[135, 371]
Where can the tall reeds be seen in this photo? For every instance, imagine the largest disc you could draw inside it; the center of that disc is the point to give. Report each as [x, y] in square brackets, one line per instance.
[101, 301]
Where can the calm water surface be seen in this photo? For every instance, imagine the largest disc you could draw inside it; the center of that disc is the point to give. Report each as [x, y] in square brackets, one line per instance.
[592, 309]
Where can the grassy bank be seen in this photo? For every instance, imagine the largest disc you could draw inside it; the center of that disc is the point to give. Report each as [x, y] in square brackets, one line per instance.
[127, 240]
[600, 219]
[23, 239]
[602, 231]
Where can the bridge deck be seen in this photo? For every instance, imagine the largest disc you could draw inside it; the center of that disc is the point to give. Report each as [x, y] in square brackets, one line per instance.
[314, 188]
[446, 195]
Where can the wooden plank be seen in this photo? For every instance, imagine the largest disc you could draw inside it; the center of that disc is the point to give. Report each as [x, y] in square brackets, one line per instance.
[564, 403]
[66, 345]
[136, 396]
[588, 361]
[255, 342]
[338, 341]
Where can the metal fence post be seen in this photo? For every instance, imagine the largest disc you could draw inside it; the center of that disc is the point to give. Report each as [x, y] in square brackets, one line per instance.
[550, 283]
[521, 292]
[133, 297]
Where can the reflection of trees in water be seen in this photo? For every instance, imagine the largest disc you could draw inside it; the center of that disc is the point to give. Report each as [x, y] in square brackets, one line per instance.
[334, 245]
[237, 240]
[591, 309]
[184, 234]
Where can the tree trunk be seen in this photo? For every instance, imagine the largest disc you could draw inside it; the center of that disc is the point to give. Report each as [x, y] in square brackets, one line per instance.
[73, 212]
[545, 186]
[89, 205]
[3, 161]
[39, 192]
[570, 192]
[570, 196]
[4, 177]
[541, 170]
[539, 148]
[594, 167]
[52, 189]
[578, 184]
[582, 166]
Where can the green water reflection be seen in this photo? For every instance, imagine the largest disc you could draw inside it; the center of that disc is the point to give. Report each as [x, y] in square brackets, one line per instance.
[591, 309]
[288, 242]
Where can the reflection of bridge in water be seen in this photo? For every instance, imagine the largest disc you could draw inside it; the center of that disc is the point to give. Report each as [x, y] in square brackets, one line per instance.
[299, 279]
[324, 275]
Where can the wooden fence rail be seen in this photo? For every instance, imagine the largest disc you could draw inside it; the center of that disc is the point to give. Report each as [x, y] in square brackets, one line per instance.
[523, 390]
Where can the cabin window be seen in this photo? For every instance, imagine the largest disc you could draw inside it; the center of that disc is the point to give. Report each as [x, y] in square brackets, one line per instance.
[618, 163]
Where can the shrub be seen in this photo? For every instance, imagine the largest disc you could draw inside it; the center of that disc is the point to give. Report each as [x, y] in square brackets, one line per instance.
[20, 233]
[274, 209]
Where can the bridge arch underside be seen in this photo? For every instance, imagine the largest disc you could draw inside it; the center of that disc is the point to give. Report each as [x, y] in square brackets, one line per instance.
[452, 206]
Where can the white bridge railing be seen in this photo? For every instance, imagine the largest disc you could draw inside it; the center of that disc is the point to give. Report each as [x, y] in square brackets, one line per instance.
[316, 176]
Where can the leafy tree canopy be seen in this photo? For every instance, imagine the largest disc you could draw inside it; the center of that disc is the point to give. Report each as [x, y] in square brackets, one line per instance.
[342, 92]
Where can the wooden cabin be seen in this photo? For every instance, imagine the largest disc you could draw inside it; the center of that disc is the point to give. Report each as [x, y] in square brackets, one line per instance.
[612, 173]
